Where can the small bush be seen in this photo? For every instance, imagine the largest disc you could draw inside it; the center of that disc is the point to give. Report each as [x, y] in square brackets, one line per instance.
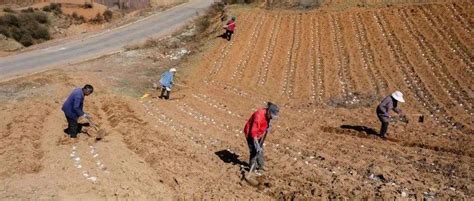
[40, 17]
[16, 33]
[75, 16]
[97, 19]
[56, 8]
[149, 43]
[11, 20]
[47, 8]
[28, 10]
[8, 10]
[26, 40]
[82, 19]
[4, 30]
[25, 27]
[108, 15]
[88, 5]
[42, 33]
[204, 22]
[53, 7]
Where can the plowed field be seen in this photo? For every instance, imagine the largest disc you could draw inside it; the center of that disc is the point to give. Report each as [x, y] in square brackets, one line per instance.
[326, 70]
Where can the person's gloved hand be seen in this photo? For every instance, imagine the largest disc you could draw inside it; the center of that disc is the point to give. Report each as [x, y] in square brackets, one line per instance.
[87, 116]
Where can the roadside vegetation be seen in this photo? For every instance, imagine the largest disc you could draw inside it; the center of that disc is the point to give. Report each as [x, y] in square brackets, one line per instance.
[28, 27]
[33, 25]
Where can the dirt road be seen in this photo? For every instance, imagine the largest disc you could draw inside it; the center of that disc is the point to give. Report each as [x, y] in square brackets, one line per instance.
[105, 42]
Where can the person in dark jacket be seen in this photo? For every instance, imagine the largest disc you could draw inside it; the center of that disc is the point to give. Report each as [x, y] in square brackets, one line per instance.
[166, 82]
[73, 109]
[258, 125]
[383, 109]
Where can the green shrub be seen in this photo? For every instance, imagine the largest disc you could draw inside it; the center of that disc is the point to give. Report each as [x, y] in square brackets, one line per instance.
[40, 17]
[75, 16]
[8, 10]
[205, 21]
[108, 15]
[25, 27]
[16, 33]
[26, 40]
[47, 8]
[4, 30]
[82, 19]
[53, 7]
[88, 5]
[28, 10]
[11, 20]
[97, 19]
[41, 32]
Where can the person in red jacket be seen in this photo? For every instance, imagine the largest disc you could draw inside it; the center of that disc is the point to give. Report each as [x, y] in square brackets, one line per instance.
[230, 28]
[255, 130]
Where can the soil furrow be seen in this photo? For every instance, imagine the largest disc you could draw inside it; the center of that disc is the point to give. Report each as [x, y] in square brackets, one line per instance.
[421, 94]
[365, 49]
[269, 51]
[459, 50]
[439, 70]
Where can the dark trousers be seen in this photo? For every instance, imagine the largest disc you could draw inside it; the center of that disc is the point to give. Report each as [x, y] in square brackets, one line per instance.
[165, 93]
[73, 127]
[255, 157]
[384, 127]
[228, 34]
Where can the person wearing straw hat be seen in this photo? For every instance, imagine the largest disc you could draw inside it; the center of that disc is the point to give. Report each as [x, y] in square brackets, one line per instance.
[256, 129]
[387, 104]
[166, 82]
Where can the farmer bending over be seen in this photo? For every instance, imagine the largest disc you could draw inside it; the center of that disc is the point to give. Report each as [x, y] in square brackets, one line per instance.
[256, 130]
[387, 104]
[166, 82]
[73, 109]
[229, 29]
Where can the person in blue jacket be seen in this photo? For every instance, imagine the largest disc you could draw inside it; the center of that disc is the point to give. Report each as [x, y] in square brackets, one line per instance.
[166, 82]
[73, 109]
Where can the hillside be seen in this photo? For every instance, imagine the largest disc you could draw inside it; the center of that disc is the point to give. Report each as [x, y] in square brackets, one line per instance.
[327, 70]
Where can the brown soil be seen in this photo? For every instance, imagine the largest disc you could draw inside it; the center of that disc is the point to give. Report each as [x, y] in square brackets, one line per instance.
[323, 146]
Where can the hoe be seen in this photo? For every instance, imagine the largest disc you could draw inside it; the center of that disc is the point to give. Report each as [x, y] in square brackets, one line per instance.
[252, 181]
[421, 118]
[100, 133]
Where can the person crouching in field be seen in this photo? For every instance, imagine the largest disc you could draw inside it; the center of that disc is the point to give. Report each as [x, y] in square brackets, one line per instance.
[73, 109]
[166, 82]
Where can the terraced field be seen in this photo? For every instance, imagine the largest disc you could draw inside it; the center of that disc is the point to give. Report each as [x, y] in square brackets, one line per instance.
[326, 70]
